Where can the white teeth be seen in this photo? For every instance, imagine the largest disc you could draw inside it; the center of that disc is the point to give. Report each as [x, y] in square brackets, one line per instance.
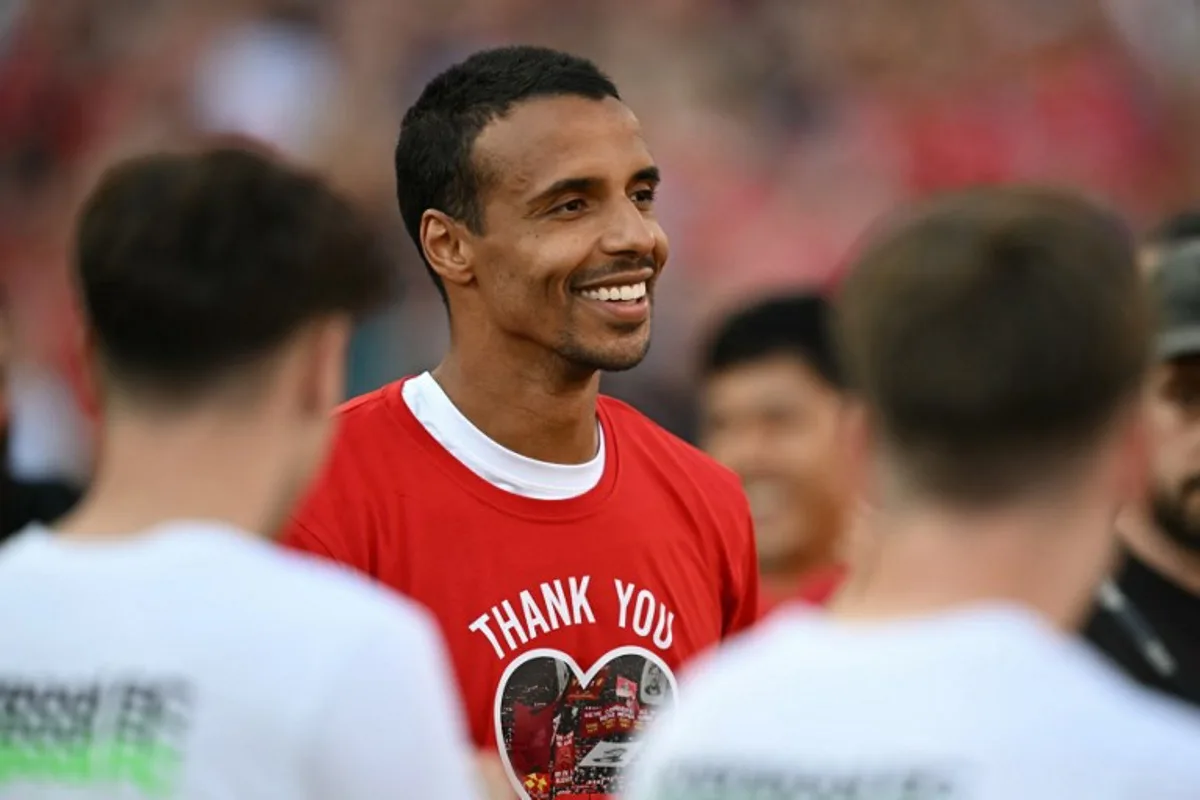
[634, 291]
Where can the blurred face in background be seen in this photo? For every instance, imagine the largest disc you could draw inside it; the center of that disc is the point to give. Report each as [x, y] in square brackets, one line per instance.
[1174, 421]
[776, 422]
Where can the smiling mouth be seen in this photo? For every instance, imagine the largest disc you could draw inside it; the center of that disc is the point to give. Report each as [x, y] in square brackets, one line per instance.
[630, 292]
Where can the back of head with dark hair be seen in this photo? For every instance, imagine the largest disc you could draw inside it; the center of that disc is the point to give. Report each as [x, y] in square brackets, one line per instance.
[434, 169]
[191, 265]
[994, 335]
[796, 325]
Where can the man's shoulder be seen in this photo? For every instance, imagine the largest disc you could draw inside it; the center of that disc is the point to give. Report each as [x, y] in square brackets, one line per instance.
[333, 600]
[802, 666]
[1143, 739]
[370, 410]
[370, 441]
[775, 653]
[376, 465]
[1095, 712]
[1155, 727]
[648, 437]
[319, 625]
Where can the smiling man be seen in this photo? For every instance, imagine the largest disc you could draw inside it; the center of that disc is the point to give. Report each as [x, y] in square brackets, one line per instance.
[772, 407]
[574, 552]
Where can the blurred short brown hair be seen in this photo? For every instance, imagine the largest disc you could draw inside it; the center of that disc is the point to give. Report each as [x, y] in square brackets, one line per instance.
[993, 335]
[191, 265]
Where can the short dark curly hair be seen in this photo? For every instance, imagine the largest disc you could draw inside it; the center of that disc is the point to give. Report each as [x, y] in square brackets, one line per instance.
[433, 154]
[191, 264]
[796, 325]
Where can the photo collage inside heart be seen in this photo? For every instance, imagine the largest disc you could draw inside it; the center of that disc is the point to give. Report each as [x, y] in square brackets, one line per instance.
[569, 735]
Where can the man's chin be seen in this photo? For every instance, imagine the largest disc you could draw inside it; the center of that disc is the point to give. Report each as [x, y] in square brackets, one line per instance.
[619, 366]
[605, 360]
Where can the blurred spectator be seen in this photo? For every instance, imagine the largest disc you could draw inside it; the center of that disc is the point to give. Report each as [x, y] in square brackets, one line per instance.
[779, 146]
[1148, 617]
[1182, 227]
[23, 500]
[772, 406]
[270, 77]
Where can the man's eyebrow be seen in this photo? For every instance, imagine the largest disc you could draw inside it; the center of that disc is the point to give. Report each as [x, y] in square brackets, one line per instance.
[566, 186]
[648, 175]
[585, 185]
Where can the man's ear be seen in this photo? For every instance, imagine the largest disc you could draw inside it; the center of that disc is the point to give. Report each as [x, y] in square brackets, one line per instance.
[92, 376]
[446, 244]
[324, 349]
[1133, 461]
[858, 441]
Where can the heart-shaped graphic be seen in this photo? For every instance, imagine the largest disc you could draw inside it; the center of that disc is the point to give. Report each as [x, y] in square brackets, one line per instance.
[566, 734]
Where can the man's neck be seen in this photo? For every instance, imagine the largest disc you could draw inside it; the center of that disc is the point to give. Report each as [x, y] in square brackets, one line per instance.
[534, 409]
[929, 564]
[1156, 550]
[151, 474]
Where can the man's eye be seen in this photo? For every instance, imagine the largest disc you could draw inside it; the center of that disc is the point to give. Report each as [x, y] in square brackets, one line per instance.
[570, 207]
[644, 196]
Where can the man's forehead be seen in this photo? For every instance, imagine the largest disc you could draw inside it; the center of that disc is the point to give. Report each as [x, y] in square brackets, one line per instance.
[784, 378]
[548, 138]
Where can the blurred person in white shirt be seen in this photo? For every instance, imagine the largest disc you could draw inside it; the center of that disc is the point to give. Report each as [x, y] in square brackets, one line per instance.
[997, 341]
[155, 644]
[272, 77]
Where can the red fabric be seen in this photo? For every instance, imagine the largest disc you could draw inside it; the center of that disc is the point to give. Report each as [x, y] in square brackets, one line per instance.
[815, 589]
[38, 106]
[819, 587]
[532, 734]
[664, 520]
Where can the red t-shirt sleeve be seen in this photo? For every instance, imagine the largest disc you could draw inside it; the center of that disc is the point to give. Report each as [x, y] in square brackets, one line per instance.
[299, 535]
[337, 517]
[742, 604]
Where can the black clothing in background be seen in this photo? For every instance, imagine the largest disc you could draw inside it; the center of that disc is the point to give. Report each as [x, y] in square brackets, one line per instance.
[1171, 612]
[24, 502]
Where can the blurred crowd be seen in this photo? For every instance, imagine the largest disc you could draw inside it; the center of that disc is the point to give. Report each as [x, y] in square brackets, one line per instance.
[783, 127]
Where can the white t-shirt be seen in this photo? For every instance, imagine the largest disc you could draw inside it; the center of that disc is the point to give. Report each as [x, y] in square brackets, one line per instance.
[196, 661]
[493, 462]
[982, 704]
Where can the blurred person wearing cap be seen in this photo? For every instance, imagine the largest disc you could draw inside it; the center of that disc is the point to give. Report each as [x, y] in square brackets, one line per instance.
[1175, 230]
[771, 409]
[1147, 618]
[155, 645]
[998, 341]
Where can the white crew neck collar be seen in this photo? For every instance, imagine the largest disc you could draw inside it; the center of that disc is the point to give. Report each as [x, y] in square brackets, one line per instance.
[499, 466]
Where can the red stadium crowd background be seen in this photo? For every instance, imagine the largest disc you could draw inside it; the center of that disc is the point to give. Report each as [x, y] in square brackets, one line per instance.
[783, 128]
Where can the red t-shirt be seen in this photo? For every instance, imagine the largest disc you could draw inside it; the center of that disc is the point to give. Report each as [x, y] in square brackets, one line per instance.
[561, 616]
[815, 589]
